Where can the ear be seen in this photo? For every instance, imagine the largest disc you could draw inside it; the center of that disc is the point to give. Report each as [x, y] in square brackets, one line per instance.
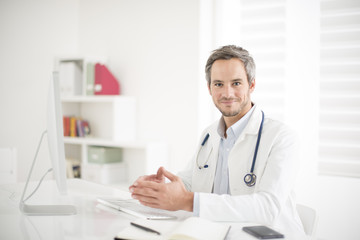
[208, 85]
[252, 85]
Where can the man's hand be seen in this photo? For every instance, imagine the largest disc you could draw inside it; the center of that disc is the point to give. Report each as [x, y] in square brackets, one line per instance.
[152, 191]
[158, 177]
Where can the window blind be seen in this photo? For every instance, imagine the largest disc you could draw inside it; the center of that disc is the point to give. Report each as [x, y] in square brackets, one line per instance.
[339, 97]
[263, 32]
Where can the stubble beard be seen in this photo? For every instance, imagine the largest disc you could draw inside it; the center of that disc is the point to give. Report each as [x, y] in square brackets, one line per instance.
[235, 112]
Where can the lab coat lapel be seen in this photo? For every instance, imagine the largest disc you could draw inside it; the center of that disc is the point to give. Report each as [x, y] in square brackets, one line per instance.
[252, 127]
[240, 158]
[203, 180]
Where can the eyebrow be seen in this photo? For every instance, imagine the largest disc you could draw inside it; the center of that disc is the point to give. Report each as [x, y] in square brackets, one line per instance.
[237, 80]
[233, 80]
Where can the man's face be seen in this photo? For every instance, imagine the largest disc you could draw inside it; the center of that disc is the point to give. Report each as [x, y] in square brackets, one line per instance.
[230, 89]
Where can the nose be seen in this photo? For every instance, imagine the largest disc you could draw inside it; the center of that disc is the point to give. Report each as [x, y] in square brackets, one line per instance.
[228, 91]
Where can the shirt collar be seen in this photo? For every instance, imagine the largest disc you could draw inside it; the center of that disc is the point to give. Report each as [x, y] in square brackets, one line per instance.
[236, 129]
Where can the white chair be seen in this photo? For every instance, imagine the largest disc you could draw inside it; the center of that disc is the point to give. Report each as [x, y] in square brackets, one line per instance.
[309, 219]
[8, 163]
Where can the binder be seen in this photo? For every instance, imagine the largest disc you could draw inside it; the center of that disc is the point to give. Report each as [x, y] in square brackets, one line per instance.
[105, 82]
[90, 79]
[70, 75]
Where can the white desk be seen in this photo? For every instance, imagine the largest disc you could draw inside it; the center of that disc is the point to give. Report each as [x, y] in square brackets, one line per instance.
[92, 221]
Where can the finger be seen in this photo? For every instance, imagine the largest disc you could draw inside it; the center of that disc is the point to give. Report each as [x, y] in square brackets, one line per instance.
[145, 199]
[160, 173]
[147, 178]
[150, 204]
[146, 196]
[152, 177]
[141, 178]
[170, 176]
[148, 184]
[143, 191]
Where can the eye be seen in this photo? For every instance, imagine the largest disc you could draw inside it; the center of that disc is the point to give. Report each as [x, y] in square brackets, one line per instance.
[237, 83]
[218, 84]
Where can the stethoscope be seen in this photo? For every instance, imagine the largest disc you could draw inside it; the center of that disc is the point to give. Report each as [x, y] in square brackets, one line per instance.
[250, 178]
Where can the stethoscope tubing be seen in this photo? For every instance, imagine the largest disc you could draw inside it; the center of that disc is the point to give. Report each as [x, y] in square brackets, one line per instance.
[257, 143]
[252, 177]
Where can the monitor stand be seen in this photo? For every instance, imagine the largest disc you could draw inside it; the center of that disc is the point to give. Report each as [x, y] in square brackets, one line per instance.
[47, 210]
[42, 210]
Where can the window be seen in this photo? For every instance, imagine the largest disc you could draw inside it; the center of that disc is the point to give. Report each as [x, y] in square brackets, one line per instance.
[308, 71]
[263, 32]
[339, 130]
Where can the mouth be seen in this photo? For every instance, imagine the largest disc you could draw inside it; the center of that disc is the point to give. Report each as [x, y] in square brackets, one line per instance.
[228, 101]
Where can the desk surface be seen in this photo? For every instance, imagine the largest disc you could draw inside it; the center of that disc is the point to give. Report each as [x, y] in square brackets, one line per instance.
[93, 221]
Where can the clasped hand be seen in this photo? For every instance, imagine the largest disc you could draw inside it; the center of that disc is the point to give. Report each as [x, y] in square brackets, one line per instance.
[153, 191]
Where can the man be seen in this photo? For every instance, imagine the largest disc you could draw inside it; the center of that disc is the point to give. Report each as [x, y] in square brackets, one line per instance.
[220, 183]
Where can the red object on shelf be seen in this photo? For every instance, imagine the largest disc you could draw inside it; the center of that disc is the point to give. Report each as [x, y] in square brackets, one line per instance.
[105, 82]
[66, 122]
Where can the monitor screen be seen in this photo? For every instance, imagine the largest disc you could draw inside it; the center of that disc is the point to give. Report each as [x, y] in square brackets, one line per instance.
[57, 155]
[55, 133]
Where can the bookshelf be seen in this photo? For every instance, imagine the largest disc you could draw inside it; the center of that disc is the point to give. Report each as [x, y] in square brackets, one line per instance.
[113, 122]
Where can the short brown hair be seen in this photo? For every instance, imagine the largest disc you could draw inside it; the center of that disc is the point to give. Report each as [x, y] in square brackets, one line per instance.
[228, 52]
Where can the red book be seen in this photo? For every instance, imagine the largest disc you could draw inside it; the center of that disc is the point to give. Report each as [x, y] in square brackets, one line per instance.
[66, 122]
[105, 82]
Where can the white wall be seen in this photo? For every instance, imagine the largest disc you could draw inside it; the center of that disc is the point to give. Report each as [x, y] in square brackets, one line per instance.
[152, 48]
[31, 33]
[336, 200]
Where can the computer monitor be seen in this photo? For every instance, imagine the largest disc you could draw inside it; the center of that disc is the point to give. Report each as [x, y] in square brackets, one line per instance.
[57, 155]
[55, 134]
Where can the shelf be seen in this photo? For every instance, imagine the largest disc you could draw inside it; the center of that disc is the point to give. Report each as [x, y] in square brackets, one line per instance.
[103, 142]
[110, 117]
[94, 99]
[112, 120]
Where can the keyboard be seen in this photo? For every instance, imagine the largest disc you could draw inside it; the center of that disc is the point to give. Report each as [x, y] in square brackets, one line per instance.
[133, 207]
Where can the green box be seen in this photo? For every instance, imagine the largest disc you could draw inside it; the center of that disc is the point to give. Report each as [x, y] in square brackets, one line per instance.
[99, 154]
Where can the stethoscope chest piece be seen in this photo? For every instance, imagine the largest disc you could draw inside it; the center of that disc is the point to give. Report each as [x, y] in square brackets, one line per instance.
[250, 179]
[205, 166]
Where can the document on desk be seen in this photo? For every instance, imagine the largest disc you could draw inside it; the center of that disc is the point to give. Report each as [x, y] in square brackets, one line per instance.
[193, 228]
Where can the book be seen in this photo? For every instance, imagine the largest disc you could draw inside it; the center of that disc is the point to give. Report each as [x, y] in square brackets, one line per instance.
[90, 77]
[192, 228]
[105, 82]
[66, 122]
[79, 128]
[73, 132]
[76, 127]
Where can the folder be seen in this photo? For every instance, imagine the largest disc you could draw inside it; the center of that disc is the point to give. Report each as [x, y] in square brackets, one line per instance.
[90, 72]
[105, 82]
[70, 75]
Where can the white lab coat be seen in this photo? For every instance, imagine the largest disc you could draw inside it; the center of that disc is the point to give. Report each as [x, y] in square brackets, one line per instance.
[271, 200]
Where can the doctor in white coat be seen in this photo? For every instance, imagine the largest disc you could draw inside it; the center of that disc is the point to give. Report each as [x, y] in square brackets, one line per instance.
[224, 181]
